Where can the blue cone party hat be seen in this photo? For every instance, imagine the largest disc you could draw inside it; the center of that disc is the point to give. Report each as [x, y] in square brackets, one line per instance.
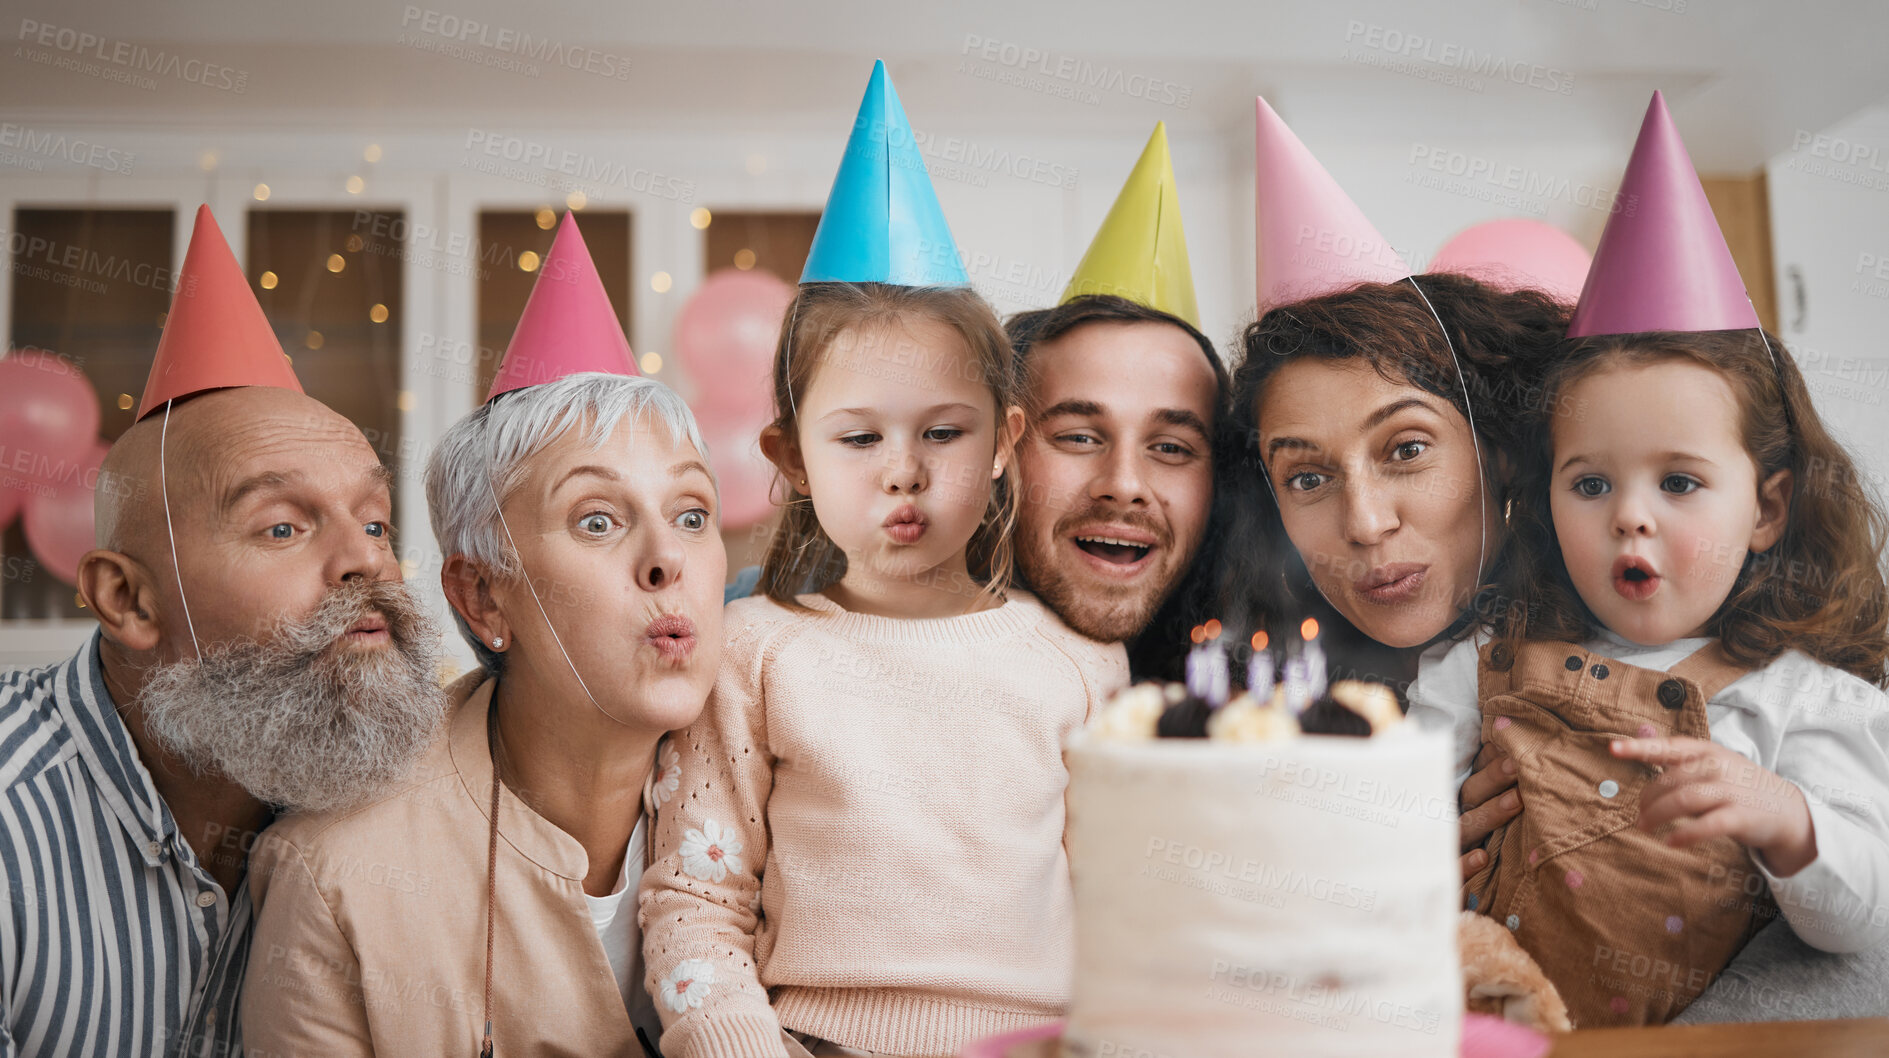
[882, 223]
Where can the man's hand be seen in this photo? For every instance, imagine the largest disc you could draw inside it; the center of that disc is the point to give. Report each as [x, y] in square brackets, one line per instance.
[1706, 791]
[1482, 809]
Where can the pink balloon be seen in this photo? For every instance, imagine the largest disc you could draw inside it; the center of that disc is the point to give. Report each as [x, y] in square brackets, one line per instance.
[1514, 253]
[12, 498]
[744, 475]
[48, 414]
[58, 520]
[725, 337]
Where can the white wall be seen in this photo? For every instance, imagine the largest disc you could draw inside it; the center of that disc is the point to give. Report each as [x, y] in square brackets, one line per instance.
[1830, 242]
[1022, 208]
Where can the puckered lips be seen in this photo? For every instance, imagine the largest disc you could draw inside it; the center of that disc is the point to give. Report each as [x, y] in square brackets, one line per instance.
[673, 636]
[1114, 549]
[1634, 578]
[1391, 582]
[905, 524]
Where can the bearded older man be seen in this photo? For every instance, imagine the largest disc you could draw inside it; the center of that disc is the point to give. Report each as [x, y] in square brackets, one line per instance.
[256, 650]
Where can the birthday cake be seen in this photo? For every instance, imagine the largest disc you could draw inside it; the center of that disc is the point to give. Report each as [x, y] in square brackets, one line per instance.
[1245, 886]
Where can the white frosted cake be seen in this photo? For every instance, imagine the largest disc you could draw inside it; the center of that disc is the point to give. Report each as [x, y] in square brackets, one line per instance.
[1286, 894]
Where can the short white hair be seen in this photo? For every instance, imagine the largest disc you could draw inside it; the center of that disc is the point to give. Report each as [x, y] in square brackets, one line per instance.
[485, 457]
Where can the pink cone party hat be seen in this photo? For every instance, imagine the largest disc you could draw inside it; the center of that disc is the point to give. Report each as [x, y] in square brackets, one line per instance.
[215, 335]
[1662, 263]
[568, 325]
[1312, 238]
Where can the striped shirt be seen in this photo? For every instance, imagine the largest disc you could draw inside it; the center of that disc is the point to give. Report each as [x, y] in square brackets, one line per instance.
[113, 938]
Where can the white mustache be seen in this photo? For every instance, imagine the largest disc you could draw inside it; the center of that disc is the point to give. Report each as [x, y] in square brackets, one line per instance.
[296, 723]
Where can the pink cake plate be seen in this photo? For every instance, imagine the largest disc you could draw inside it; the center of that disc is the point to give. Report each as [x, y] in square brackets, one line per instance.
[1483, 1037]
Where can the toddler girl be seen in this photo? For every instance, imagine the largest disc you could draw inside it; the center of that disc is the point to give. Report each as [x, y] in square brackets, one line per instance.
[865, 844]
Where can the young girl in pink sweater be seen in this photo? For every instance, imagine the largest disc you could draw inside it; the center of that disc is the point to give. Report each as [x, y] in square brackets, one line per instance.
[862, 852]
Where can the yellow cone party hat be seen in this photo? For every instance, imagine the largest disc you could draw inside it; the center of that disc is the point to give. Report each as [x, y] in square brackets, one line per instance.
[1140, 253]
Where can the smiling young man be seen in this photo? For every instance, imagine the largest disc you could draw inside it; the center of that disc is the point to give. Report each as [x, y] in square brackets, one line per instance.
[1122, 394]
[1116, 460]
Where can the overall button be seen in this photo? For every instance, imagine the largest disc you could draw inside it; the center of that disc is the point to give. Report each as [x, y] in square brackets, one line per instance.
[1501, 658]
[1672, 694]
[1574, 663]
[1599, 672]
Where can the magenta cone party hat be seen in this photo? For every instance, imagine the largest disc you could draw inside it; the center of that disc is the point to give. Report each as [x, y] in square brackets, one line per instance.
[1312, 238]
[1662, 263]
[568, 325]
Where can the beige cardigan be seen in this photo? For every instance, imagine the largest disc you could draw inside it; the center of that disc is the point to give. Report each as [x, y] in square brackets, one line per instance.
[370, 924]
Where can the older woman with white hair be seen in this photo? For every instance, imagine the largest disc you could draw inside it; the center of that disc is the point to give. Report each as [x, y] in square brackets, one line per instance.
[490, 902]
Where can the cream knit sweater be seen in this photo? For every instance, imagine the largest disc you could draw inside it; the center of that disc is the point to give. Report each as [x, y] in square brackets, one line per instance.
[868, 828]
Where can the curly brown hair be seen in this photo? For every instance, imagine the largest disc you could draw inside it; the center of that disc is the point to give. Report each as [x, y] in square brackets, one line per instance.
[801, 557]
[1820, 589]
[1503, 341]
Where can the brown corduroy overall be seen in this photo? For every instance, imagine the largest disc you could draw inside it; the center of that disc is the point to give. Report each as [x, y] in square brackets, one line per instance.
[1629, 930]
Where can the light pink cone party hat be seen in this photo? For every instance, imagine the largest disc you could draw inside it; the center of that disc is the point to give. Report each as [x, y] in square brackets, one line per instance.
[1662, 263]
[568, 325]
[1312, 238]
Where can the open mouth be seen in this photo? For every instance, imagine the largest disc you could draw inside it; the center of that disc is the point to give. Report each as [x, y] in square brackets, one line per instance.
[1634, 578]
[1114, 550]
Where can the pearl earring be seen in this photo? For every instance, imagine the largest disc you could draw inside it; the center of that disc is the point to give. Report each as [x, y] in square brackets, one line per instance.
[497, 642]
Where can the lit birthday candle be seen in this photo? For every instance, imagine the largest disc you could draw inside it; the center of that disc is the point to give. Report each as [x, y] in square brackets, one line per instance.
[1314, 658]
[1195, 660]
[1217, 681]
[1298, 683]
[1259, 669]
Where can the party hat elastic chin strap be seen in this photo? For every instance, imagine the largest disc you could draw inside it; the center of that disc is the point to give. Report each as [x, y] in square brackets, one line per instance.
[526, 577]
[1482, 491]
[163, 484]
[1475, 439]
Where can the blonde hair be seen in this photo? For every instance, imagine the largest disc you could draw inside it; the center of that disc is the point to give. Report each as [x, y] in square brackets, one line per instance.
[801, 557]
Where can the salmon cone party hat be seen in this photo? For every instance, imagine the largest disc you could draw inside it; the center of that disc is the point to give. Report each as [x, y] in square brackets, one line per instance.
[1662, 263]
[1140, 252]
[568, 325]
[215, 335]
[1312, 238]
[882, 223]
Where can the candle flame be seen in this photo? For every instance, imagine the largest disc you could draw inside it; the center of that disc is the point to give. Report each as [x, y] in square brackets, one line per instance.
[1308, 629]
[1260, 639]
[1211, 630]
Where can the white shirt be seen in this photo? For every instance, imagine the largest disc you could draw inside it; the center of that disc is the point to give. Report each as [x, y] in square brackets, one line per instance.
[1819, 727]
[614, 917]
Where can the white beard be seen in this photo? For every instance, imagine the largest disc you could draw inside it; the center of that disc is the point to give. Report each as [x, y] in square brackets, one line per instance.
[300, 721]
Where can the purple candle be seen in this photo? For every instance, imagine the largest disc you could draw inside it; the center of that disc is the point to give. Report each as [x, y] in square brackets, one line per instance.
[1259, 669]
[1298, 684]
[1218, 682]
[1314, 659]
[1194, 661]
